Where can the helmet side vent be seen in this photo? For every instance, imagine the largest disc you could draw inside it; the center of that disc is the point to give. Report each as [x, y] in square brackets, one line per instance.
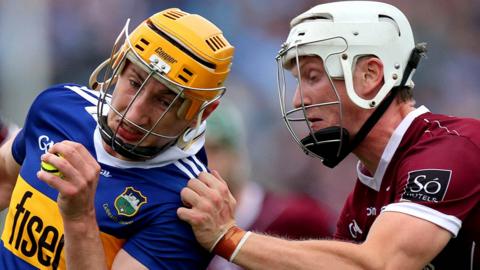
[144, 41]
[327, 17]
[185, 75]
[139, 47]
[174, 14]
[183, 78]
[315, 17]
[188, 72]
[220, 41]
[216, 43]
[210, 45]
[388, 19]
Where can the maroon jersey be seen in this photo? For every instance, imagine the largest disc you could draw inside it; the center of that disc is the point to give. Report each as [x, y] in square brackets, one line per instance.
[429, 169]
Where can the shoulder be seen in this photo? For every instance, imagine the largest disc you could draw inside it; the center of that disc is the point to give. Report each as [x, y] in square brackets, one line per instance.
[449, 158]
[62, 113]
[441, 171]
[62, 92]
[63, 101]
[438, 125]
[440, 140]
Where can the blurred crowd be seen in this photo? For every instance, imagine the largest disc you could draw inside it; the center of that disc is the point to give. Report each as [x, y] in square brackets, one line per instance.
[44, 42]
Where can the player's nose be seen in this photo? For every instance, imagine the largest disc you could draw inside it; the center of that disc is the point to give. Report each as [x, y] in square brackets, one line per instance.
[138, 109]
[300, 98]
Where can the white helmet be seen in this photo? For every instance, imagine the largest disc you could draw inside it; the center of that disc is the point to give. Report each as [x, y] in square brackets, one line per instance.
[350, 30]
[340, 33]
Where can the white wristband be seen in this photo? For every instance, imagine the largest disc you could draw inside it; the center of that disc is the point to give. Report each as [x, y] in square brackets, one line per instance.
[239, 246]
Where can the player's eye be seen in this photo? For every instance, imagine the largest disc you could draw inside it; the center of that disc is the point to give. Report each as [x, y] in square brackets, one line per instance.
[313, 76]
[164, 102]
[135, 84]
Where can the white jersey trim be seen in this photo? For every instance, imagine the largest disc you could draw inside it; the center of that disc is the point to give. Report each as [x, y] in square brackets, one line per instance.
[448, 222]
[376, 181]
[192, 165]
[199, 163]
[81, 92]
[184, 169]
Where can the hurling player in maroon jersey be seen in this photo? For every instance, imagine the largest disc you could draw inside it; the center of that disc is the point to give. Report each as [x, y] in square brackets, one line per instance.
[415, 204]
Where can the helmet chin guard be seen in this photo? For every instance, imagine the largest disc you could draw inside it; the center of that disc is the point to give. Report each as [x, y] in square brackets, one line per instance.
[325, 144]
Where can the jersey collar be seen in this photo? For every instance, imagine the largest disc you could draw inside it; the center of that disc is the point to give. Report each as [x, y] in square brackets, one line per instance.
[376, 181]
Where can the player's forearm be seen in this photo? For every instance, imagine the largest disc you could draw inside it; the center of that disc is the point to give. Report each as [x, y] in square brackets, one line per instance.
[83, 246]
[264, 252]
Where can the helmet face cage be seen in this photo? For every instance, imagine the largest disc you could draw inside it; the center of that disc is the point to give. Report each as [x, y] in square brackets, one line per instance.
[296, 119]
[188, 104]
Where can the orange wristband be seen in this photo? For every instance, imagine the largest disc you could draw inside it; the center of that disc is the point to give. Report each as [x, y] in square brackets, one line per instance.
[229, 242]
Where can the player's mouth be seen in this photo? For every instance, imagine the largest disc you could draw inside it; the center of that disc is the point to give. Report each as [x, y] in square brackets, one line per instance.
[129, 134]
[316, 123]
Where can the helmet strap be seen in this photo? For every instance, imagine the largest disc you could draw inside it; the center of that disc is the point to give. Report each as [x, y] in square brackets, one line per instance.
[186, 144]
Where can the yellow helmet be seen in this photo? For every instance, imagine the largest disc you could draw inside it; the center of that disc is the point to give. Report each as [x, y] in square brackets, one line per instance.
[185, 52]
[187, 48]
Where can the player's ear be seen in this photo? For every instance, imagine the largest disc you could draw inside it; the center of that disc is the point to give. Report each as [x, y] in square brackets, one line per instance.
[208, 110]
[368, 78]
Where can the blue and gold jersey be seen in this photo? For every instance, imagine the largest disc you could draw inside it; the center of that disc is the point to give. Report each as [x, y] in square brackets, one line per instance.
[136, 202]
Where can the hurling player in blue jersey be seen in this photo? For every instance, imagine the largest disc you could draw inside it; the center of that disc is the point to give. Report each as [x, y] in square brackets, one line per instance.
[415, 204]
[115, 156]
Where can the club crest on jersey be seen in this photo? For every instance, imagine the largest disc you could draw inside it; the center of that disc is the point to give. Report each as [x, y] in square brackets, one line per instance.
[128, 203]
[427, 185]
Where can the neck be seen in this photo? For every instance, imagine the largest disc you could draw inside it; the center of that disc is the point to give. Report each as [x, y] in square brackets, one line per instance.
[371, 149]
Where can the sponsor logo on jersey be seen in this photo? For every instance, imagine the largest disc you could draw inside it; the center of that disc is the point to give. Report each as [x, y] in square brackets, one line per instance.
[44, 143]
[32, 233]
[371, 211]
[427, 185]
[128, 203]
[105, 173]
[354, 229]
[429, 267]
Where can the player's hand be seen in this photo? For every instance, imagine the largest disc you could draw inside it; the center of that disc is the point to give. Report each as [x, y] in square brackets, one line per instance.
[77, 186]
[210, 207]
